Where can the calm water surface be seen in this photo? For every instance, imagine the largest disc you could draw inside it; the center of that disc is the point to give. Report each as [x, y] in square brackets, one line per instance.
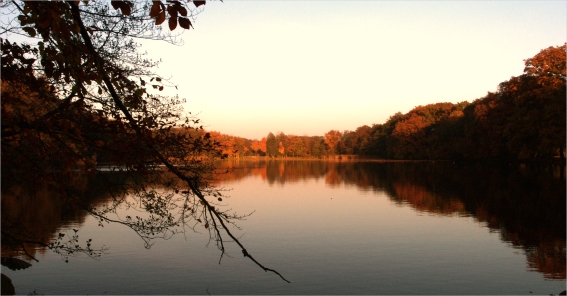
[333, 228]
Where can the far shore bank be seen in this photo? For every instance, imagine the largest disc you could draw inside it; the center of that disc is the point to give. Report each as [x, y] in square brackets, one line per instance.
[362, 158]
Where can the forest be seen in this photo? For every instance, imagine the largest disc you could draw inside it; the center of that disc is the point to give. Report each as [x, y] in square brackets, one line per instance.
[523, 120]
[80, 101]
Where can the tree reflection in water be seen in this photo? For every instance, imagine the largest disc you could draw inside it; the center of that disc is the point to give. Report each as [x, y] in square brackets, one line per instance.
[35, 219]
[524, 203]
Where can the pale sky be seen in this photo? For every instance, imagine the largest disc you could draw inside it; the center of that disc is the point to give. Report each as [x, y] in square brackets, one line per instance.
[307, 67]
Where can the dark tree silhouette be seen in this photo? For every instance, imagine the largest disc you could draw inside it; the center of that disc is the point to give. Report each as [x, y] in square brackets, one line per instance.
[97, 95]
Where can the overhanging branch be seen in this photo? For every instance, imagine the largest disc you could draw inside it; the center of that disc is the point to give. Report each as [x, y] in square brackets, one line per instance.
[192, 182]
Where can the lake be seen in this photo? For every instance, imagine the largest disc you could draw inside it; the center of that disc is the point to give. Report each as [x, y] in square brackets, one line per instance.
[329, 228]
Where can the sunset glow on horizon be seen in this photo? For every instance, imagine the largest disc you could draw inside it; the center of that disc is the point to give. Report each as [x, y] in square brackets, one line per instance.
[307, 67]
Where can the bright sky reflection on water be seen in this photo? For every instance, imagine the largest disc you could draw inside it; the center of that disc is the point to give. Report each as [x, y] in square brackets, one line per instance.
[324, 239]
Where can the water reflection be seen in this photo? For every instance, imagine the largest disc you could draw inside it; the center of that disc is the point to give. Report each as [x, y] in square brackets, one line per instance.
[525, 204]
[33, 218]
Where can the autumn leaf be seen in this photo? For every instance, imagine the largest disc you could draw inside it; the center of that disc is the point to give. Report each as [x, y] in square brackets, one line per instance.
[184, 23]
[160, 18]
[125, 6]
[199, 3]
[156, 8]
[115, 4]
[30, 31]
[182, 10]
[173, 23]
[172, 10]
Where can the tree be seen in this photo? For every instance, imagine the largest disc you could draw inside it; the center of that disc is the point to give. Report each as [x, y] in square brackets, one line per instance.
[483, 129]
[281, 149]
[100, 96]
[332, 138]
[281, 139]
[271, 145]
[259, 146]
[535, 105]
[413, 133]
[299, 147]
[380, 142]
[548, 69]
[548, 66]
[292, 145]
[360, 138]
[317, 147]
[525, 118]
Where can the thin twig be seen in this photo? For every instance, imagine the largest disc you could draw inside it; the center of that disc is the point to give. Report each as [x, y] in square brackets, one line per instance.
[191, 181]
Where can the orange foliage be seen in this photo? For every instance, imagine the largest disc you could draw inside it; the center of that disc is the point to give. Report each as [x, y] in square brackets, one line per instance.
[332, 138]
[259, 145]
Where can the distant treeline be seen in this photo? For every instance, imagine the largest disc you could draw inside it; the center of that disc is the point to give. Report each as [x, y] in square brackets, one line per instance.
[524, 119]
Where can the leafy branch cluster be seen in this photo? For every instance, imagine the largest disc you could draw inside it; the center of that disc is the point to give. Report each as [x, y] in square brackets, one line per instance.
[72, 246]
[78, 95]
